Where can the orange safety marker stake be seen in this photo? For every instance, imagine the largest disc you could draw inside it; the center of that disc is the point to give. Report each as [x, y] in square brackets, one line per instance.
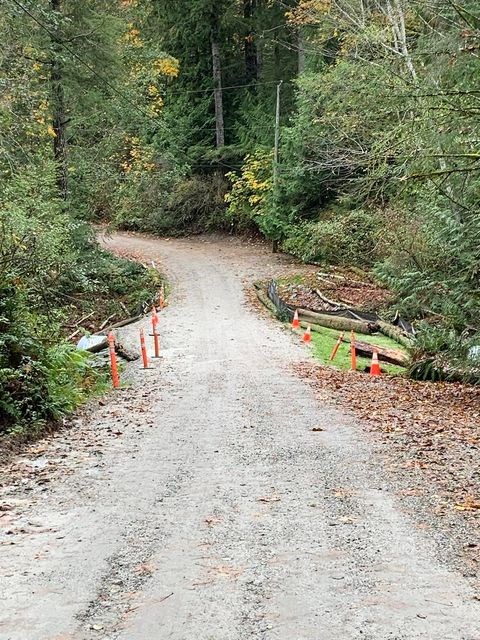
[353, 352]
[375, 366]
[336, 347]
[154, 321]
[307, 336]
[296, 320]
[144, 350]
[113, 361]
[156, 342]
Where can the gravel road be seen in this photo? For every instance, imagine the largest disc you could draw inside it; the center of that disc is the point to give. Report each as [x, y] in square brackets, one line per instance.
[216, 498]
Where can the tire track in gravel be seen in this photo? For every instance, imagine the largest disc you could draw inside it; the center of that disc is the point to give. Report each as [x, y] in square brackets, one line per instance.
[220, 493]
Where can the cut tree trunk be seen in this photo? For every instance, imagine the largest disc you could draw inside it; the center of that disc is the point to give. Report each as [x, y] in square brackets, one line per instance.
[391, 356]
[337, 322]
[394, 333]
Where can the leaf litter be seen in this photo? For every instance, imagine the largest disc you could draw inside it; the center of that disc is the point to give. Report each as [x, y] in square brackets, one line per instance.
[429, 434]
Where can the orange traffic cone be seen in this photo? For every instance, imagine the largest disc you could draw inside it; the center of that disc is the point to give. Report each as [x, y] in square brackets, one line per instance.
[307, 336]
[296, 320]
[375, 366]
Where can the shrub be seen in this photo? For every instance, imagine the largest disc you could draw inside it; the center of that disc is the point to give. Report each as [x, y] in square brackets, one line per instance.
[439, 353]
[340, 238]
[194, 204]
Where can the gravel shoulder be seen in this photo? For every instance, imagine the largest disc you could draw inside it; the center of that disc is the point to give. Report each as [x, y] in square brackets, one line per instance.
[217, 496]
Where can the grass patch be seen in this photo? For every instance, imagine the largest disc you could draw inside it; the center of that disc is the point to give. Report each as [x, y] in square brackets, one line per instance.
[323, 342]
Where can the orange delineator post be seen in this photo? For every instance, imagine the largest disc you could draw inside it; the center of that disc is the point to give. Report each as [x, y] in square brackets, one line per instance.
[113, 361]
[154, 321]
[162, 297]
[337, 347]
[144, 349]
[156, 342]
[155, 332]
[353, 352]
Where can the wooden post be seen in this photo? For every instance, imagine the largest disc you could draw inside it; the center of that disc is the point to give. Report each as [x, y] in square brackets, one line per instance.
[353, 352]
[217, 83]
[276, 154]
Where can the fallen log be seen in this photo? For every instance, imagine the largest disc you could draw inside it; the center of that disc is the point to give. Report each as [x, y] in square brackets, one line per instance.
[337, 322]
[394, 333]
[265, 300]
[119, 325]
[127, 354]
[332, 303]
[365, 350]
[391, 356]
[96, 344]
[105, 322]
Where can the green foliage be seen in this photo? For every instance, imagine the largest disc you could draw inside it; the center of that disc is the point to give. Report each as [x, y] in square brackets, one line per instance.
[44, 385]
[251, 196]
[40, 378]
[434, 262]
[342, 238]
[379, 162]
[442, 354]
[324, 340]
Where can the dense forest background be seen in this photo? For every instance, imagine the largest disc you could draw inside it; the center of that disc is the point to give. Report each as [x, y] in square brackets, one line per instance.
[161, 116]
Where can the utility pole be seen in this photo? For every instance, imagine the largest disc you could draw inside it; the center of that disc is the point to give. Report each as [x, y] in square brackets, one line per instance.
[277, 136]
[217, 92]
[276, 154]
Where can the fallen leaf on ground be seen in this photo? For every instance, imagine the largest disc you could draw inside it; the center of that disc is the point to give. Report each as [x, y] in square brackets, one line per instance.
[469, 505]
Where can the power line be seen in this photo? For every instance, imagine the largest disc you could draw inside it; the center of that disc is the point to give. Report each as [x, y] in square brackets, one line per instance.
[92, 70]
[228, 88]
[88, 66]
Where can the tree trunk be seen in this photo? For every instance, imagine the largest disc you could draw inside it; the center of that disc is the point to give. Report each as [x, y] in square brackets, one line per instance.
[337, 322]
[397, 20]
[251, 58]
[302, 54]
[390, 356]
[217, 83]
[57, 98]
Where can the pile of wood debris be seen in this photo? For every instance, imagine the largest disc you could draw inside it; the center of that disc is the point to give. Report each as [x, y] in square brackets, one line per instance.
[329, 291]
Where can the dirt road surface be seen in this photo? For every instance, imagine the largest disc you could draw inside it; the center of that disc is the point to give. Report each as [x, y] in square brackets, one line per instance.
[200, 503]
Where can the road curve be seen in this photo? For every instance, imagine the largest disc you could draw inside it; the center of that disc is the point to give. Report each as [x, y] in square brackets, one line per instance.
[218, 513]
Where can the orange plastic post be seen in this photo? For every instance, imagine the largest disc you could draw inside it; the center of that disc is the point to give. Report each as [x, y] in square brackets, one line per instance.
[156, 342]
[154, 321]
[162, 297]
[337, 347]
[144, 349]
[353, 352]
[113, 361]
